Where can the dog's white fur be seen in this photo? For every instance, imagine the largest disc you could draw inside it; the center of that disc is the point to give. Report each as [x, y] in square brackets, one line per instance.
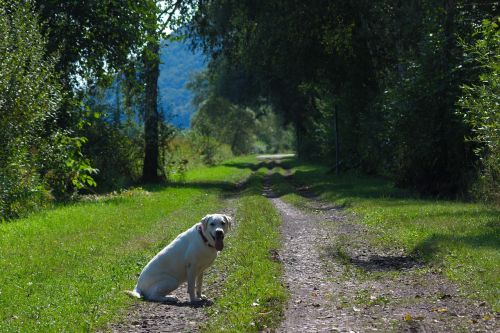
[184, 259]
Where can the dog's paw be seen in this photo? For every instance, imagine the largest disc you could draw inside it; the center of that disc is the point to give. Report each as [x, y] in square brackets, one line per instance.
[196, 300]
[201, 301]
[170, 299]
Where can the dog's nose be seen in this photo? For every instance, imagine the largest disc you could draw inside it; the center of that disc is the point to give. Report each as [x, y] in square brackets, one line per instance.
[219, 233]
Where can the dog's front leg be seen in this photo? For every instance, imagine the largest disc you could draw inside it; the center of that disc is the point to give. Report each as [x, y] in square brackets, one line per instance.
[191, 278]
[199, 284]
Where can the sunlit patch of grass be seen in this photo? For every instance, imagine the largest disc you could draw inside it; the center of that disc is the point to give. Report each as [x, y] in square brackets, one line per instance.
[461, 238]
[229, 172]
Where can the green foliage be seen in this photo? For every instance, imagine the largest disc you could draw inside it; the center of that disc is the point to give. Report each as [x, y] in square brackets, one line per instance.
[29, 98]
[116, 150]
[271, 136]
[220, 122]
[190, 148]
[391, 70]
[39, 160]
[66, 169]
[226, 123]
[94, 37]
[480, 108]
[94, 40]
[418, 108]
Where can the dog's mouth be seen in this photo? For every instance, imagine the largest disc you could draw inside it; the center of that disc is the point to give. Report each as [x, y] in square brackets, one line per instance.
[219, 241]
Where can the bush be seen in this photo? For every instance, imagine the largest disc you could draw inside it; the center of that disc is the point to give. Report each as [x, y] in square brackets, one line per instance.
[117, 151]
[29, 98]
[225, 123]
[480, 109]
[189, 149]
[38, 160]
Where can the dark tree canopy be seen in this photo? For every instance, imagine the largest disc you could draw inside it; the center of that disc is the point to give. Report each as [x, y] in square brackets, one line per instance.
[91, 37]
[392, 70]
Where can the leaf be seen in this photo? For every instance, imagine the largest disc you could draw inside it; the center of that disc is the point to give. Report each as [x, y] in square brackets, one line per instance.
[407, 317]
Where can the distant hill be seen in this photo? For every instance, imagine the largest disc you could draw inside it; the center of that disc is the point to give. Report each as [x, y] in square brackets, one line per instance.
[178, 65]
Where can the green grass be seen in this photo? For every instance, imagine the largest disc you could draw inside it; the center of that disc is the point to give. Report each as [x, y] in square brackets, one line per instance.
[64, 269]
[253, 297]
[462, 239]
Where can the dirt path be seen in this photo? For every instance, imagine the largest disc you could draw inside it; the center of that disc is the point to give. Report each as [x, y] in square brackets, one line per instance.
[339, 282]
[157, 317]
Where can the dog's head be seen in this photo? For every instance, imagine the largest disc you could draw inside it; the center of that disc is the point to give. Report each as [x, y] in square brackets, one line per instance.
[215, 227]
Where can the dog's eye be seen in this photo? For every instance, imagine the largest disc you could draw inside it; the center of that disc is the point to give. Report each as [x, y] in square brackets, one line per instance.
[223, 223]
[212, 224]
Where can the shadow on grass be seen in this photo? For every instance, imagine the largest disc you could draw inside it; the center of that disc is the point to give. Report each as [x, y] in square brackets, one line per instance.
[285, 163]
[202, 185]
[244, 165]
[349, 185]
[432, 246]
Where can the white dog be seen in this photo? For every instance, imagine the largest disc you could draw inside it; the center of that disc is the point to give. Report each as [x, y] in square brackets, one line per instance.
[185, 258]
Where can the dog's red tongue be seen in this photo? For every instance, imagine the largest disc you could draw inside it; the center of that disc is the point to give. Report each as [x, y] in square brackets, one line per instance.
[219, 244]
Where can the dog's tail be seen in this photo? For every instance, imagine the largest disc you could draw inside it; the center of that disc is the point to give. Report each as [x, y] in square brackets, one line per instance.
[133, 293]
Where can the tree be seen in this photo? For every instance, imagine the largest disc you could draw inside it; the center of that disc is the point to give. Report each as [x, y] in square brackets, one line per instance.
[94, 38]
[151, 62]
[480, 107]
[98, 38]
[391, 69]
[169, 16]
[227, 123]
[29, 98]
[225, 114]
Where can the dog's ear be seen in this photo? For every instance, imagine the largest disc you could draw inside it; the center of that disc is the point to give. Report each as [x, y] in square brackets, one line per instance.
[204, 221]
[228, 220]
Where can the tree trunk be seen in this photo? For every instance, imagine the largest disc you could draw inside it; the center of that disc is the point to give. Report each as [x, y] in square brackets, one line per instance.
[151, 116]
[117, 111]
[337, 144]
